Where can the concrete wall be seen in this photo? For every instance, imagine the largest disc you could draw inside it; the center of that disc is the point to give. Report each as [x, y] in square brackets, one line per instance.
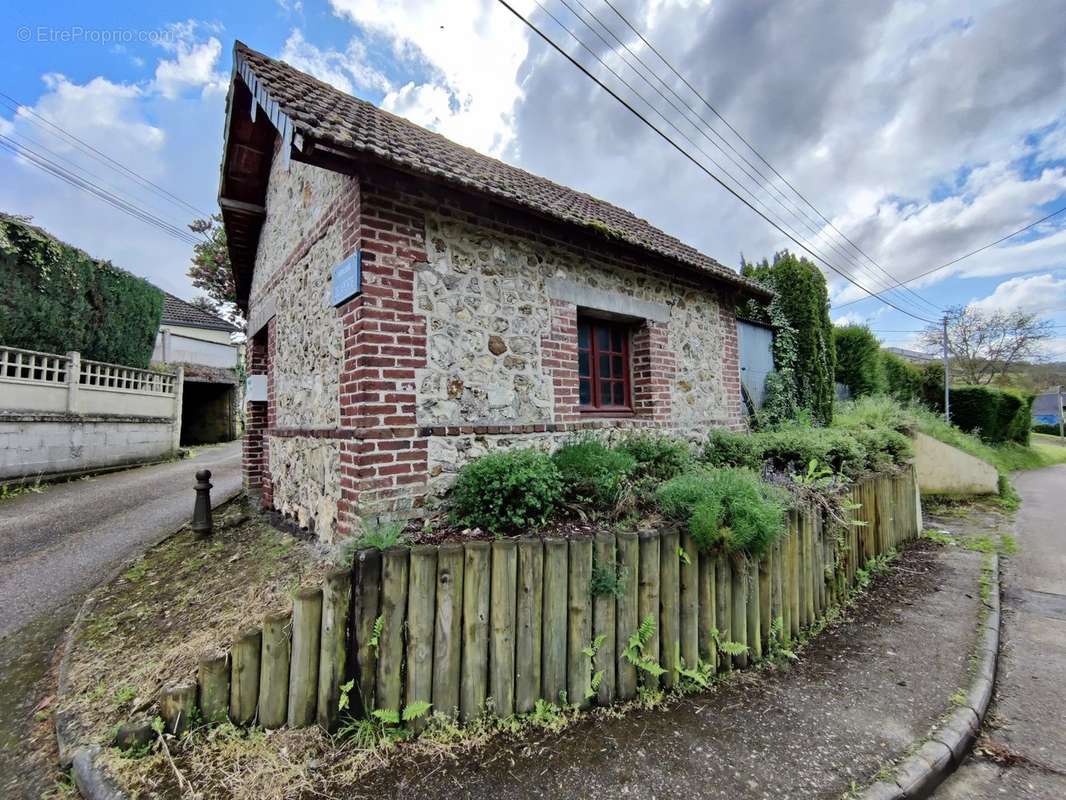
[61, 414]
[42, 444]
[943, 469]
[193, 346]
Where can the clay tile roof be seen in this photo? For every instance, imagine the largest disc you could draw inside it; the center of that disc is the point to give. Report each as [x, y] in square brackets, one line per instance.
[321, 113]
[177, 312]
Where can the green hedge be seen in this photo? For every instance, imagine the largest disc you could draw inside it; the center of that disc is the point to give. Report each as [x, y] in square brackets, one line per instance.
[1050, 430]
[56, 299]
[859, 365]
[903, 380]
[997, 415]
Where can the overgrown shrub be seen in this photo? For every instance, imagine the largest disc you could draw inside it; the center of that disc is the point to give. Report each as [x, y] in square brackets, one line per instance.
[731, 508]
[792, 449]
[1051, 430]
[803, 345]
[731, 449]
[884, 447]
[874, 413]
[507, 491]
[858, 360]
[903, 380]
[592, 473]
[658, 458]
[56, 299]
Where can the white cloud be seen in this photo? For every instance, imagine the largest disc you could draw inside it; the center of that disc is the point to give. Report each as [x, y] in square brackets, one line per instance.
[194, 63]
[1035, 294]
[349, 71]
[472, 52]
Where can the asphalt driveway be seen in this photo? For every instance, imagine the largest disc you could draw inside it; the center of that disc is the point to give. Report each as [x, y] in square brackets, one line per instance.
[55, 546]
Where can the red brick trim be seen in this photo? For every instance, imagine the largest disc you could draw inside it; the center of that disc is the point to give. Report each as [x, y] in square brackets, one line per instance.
[730, 357]
[558, 349]
[654, 368]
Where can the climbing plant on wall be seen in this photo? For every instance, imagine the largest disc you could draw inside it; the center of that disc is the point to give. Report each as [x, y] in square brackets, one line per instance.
[804, 358]
[56, 299]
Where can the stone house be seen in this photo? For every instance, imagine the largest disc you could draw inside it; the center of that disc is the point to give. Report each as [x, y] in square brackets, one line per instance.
[497, 308]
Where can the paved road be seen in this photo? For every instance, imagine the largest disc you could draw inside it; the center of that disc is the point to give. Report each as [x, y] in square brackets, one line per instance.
[54, 547]
[1023, 750]
[57, 544]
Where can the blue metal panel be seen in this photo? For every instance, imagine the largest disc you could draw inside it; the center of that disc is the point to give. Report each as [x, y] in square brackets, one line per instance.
[347, 279]
[756, 345]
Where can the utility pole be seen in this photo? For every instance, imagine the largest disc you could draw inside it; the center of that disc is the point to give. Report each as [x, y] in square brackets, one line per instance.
[947, 375]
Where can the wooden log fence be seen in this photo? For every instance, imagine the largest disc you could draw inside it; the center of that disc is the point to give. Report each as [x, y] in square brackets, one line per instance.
[496, 627]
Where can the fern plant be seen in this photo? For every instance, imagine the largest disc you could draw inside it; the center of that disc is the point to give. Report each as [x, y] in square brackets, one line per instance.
[634, 649]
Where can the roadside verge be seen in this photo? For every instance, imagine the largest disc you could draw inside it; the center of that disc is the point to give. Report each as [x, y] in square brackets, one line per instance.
[936, 757]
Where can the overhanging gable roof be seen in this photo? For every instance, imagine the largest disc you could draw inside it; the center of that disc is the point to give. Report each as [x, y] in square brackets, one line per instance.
[309, 114]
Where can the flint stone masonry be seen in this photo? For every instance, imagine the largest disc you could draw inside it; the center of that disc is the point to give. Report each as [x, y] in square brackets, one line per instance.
[306, 474]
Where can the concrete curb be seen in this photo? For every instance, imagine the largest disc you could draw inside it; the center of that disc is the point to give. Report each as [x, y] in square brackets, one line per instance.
[93, 780]
[948, 744]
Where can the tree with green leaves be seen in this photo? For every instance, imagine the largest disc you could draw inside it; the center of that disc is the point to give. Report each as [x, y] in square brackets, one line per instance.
[804, 358]
[211, 272]
[859, 365]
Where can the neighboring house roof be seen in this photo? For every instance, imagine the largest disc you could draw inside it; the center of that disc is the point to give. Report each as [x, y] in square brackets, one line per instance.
[308, 112]
[911, 355]
[177, 312]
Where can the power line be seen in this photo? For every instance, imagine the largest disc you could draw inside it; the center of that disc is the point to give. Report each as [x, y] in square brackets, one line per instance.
[971, 253]
[765, 184]
[759, 155]
[51, 167]
[778, 226]
[101, 156]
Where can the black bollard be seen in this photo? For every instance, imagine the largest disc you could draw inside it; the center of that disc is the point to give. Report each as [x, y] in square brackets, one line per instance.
[202, 524]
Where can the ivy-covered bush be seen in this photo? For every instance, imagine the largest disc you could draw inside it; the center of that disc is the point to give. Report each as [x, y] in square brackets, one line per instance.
[508, 491]
[658, 458]
[731, 508]
[859, 365]
[593, 473]
[56, 299]
[803, 342]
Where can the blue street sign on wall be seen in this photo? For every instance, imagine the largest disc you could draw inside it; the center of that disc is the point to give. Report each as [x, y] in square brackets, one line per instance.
[347, 279]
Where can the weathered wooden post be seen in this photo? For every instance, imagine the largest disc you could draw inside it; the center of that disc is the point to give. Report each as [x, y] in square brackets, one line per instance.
[690, 602]
[202, 524]
[648, 597]
[389, 689]
[447, 637]
[528, 623]
[306, 646]
[627, 612]
[604, 625]
[333, 658]
[274, 670]
[723, 607]
[177, 703]
[708, 621]
[212, 679]
[502, 616]
[244, 677]
[421, 605]
[554, 631]
[669, 607]
[473, 687]
[765, 590]
[366, 602]
[579, 623]
[739, 624]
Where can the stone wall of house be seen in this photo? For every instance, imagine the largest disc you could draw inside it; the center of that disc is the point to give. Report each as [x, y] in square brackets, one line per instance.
[306, 475]
[297, 199]
[308, 348]
[301, 239]
[487, 304]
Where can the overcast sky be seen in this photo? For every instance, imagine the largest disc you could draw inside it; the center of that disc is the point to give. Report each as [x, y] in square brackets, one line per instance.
[922, 130]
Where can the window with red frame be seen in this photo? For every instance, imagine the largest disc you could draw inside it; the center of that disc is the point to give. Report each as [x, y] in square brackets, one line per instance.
[603, 365]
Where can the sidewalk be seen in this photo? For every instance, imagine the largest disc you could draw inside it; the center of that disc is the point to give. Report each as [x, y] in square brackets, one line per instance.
[1022, 751]
[860, 695]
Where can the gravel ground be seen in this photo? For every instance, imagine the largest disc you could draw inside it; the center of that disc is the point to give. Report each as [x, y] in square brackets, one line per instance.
[861, 693]
[54, 546]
